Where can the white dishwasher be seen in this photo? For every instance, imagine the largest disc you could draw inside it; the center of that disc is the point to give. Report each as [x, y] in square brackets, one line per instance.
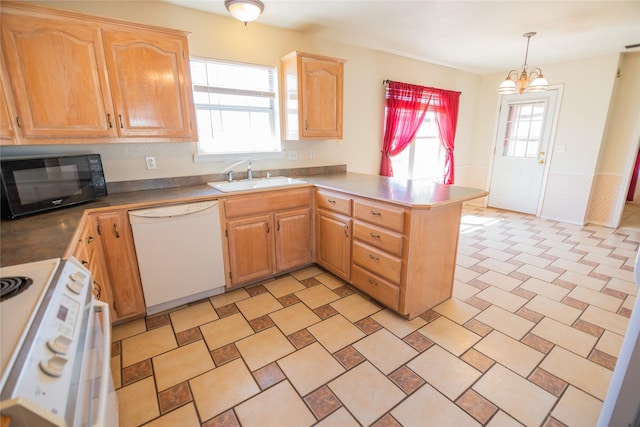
[179, 250]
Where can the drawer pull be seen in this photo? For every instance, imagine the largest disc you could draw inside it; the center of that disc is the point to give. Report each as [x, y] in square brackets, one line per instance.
[373, 282]
[115, 231]
[375, 236]
[333, 202]
[374, 213]
[346, 231]
[375, 258]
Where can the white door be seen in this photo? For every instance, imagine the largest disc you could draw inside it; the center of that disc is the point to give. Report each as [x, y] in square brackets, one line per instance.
[524, 133]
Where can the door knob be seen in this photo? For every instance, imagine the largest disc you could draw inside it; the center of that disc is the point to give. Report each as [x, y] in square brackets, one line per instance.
[540, 162]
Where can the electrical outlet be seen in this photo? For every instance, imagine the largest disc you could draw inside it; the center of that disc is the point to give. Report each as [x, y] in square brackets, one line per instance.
[151, 162]
[292, 154]
[312, 154]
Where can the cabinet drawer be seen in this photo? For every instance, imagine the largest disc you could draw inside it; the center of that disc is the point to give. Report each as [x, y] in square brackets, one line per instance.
[267, 202]
[374, 286]
[334, 202]
[377, 261]
[388, 241]
[387, 216]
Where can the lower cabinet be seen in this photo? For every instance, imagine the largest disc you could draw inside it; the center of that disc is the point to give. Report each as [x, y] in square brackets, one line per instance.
[266, 234]
[119, 270]
[333, 243]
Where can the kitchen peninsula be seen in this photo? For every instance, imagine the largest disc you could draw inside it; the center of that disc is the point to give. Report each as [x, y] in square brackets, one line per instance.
[395, 240]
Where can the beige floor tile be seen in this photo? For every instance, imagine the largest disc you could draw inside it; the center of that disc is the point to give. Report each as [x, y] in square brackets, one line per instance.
[305, 273]
[284, 286]
[396, 324]
[330, 281]
[386, 351]
[533, 260]
[129, 329]
[258, 305]
[264, 347]
[538, 273]
[225, 331]
[335, 333]
[310, 367]
[565, 336]
[366, 393]
[294, 318]
[456, 310]
[498, 266]
[553, 309]
[582, 280]
[427, 407]
[610, 343]
[576, 408]
[520, 398]
[279, 405]
[501, 281]
[629, 302]
[465, 275]
[449, 335]
[355, 307]
[500, 419]
[137, 403]
[498, 254]
[229, 298]
[576, 267]
[501, 298]
[448, 374]
[222, 388]
[341, 418]
[545, 289]
[606, 319]
[185, 416]
[462, 291]
[317, 296]
[604, 301]
[192, 316]
[148, 344]
[618, 273]
[516, 356]
[581, 373]
[176, 366]
[623, 286]
[505, 321]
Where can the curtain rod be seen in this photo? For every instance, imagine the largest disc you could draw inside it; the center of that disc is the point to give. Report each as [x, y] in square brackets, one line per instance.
[387, 81]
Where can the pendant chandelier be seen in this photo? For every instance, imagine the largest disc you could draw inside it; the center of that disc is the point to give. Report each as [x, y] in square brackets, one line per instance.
[244, 10]
[524, 81]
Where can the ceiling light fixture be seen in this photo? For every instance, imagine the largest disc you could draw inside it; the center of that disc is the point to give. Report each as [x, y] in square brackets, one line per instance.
[525, 81]
[244, 10]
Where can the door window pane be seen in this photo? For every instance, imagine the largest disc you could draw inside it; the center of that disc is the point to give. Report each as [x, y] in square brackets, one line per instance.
[524, 129]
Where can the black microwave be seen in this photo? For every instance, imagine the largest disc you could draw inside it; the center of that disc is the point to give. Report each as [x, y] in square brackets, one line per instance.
[38, 184]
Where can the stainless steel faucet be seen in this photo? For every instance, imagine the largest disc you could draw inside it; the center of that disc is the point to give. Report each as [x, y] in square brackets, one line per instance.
[230, 176]
[249, 173]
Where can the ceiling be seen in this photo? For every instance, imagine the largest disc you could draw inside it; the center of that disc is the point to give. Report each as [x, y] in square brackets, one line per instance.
[478, 36]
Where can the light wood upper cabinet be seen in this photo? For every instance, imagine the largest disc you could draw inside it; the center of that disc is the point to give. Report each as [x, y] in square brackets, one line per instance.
[56, 68]
[83, 79]
[150, 82]
[7, 130]
[312, 96]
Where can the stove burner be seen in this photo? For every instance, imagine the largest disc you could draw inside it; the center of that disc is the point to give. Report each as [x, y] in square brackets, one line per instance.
[12, 286]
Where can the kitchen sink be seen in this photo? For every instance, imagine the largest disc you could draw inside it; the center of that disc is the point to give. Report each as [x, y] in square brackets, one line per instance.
[255, 184]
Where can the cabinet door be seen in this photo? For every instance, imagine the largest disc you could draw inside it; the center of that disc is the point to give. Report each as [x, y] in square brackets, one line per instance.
[333, 237]
[121, 264]
[57, 68]
[151, 83]
[321, 98]
[251, 248]
[7, 131]
[293, 238]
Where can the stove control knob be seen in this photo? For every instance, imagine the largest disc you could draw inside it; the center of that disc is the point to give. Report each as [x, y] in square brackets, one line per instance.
[59, 345]
[75, 286]
[53, 366]
[78, 276]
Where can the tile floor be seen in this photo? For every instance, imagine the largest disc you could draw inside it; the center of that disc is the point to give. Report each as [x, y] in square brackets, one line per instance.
[530, 337]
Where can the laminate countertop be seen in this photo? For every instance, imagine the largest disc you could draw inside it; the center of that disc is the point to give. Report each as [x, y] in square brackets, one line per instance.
[47, 235]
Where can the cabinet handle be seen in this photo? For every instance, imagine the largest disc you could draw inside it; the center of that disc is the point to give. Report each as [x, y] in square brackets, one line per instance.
[346, 231]
[85, 262]
[375, 236]
[98, 289]
[121, 123]
[333, 202]
[109, 120]
[374, 213]
[90, 239]
[18, 122]
[115, 231]
[278, 229]
[373, 282]
[375, 258]
[268, 228]
[306, 125]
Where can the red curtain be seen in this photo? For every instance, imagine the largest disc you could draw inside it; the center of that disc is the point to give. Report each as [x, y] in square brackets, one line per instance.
[634, 179]
[406, 105]
[447, 119]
